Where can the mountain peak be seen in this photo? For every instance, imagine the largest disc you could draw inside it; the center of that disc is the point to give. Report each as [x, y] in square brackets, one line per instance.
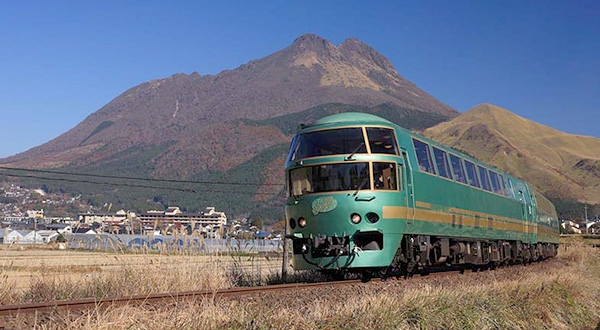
[311, 41]
[489, 108]
[353, 41]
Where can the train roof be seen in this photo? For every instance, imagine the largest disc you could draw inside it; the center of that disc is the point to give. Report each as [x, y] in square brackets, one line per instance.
[348, 117]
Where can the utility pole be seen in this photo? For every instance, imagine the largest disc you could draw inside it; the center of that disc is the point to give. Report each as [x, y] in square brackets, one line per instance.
[285, 260]
[586, 219]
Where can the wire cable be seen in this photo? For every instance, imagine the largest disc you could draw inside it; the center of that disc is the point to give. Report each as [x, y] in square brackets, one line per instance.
[140, 179]
[135, 185]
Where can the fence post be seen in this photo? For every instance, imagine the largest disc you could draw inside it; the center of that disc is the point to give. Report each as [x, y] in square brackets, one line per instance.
[285, 261]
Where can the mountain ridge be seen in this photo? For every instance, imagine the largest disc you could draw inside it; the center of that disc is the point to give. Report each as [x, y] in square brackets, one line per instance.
[310, 72]
[561, 165]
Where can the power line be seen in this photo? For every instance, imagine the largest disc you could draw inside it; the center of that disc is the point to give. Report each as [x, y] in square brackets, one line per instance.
[135, 185]
[141, 179]
[94, 182]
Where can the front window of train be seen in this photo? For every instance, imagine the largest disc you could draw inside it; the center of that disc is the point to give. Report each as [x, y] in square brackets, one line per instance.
[329, 177]
[328, 142]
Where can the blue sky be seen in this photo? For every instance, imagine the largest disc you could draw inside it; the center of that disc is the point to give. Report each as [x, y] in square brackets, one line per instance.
[60, 61]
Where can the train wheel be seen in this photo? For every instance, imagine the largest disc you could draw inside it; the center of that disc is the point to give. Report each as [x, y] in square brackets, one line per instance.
[366, 276]
[384, 273]
[336, 275]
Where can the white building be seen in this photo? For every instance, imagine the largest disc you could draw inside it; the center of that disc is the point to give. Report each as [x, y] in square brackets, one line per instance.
[571, 227]
[16, 237]
[61, 228]
[30, 237]
[209, 218]
[34, 214]
[41, 237]
[118, 218]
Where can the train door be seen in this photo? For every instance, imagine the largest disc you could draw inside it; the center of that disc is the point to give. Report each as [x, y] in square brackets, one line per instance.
[523, 207]
[407, 185]
[526, 206]
[533, 215]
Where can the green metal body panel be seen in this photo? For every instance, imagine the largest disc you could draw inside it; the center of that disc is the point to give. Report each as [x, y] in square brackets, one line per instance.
[426, 204]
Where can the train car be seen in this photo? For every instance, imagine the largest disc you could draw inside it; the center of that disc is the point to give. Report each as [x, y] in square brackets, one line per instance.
[367, 196]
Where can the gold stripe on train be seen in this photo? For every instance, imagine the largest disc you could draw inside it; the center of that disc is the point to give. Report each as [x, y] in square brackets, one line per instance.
[473, 213]
[395, 212]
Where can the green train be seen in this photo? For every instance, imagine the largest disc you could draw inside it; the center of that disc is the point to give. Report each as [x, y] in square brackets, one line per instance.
[369, 197]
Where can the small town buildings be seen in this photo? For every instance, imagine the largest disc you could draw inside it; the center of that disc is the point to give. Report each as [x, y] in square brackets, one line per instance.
[594, 227]
[30, 237]
[118, 218]
[174, 217]
[61, 228]
[34, 214]
[571, 227]
[84, 230]
[16, 237]
[41, 237]
[14, 218]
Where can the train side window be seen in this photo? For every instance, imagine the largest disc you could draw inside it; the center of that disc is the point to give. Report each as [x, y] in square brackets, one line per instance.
[400, 178]
[503, 185]
[441, 160]
[384, 175]
[511, 189]
[457, 169]
[495, 183]
[423, 156]
[472, 174]
[485, 180]
[382, 140]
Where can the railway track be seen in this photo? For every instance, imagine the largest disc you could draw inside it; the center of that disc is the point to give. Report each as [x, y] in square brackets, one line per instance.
[81, 304]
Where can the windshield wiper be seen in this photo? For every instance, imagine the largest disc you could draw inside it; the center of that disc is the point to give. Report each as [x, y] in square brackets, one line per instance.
[349, 157]
[360, 185]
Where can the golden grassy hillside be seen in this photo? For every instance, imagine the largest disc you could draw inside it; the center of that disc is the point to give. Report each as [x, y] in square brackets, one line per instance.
[559, 164]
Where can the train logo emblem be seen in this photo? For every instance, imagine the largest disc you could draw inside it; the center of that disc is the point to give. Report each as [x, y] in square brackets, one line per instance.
[323, 204]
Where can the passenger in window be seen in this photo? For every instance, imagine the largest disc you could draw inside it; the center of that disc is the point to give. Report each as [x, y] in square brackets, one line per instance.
[385, 176]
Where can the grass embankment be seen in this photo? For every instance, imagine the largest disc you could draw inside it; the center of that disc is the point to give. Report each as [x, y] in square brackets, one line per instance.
[563, 293]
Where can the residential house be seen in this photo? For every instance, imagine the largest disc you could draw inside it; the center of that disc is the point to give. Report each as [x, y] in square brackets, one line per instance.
[61, 228]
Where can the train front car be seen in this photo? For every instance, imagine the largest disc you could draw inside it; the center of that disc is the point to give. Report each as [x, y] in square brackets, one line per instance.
[340, 172]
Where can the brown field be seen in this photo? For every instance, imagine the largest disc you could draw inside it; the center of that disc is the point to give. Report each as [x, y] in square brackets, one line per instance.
[563, 293]
[38, 274]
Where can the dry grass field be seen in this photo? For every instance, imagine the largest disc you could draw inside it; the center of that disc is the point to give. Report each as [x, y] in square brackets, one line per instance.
[563, 293]
[30, 274]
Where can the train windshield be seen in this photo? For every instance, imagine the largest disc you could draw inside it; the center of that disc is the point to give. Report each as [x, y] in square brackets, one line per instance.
[329, 177]
[328, 142]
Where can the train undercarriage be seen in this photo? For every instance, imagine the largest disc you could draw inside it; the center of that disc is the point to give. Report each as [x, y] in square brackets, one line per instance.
[422, 254]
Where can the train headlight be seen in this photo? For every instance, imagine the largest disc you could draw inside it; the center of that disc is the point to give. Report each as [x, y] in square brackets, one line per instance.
[301, 222]
[372, 217]
[355, 218]
[292, 223]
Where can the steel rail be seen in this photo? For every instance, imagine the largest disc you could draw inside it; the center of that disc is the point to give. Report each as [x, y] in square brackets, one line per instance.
[152, 298]
[80, 304]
